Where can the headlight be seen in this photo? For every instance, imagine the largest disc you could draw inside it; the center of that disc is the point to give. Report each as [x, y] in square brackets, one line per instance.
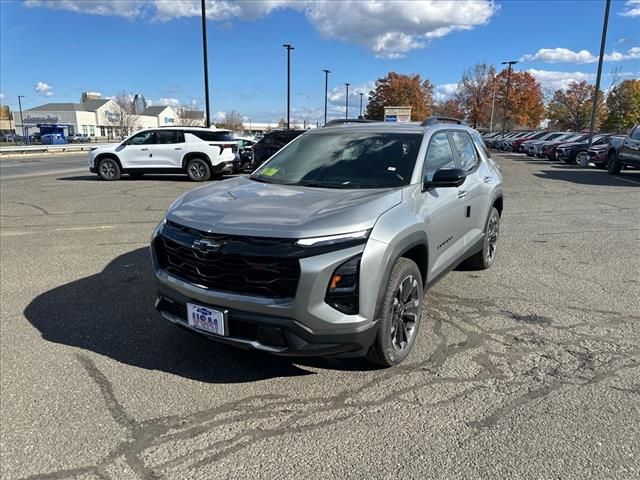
[354, 237]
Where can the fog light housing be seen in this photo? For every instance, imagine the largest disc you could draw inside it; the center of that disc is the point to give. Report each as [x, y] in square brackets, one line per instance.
[342, 291]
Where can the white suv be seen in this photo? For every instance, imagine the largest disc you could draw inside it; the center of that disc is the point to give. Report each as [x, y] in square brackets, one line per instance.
[201, 153]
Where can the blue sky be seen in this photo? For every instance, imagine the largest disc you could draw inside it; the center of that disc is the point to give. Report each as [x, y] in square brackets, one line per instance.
[51, 51]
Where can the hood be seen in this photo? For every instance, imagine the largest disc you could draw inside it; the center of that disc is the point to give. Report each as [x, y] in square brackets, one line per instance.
[240, 206]
[105, 148]
[573, 144]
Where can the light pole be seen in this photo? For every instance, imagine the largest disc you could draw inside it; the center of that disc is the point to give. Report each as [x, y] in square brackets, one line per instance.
[361, 95]
[289, 48]
[599, 75]
[326, 92]
[346, 112]
[24, 139]
[206, 63]
[493, 105]
[506, 100]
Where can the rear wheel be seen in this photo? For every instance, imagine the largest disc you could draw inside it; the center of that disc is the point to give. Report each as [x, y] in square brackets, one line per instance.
[485, 258]
[198, 170]
[109, 170]
[613, 164]
[399, 315]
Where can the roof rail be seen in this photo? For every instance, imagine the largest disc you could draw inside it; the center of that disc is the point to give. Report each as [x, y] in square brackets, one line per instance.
[437, 119]
[331, 123]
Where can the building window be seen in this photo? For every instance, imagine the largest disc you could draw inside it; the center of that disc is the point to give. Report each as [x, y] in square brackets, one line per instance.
[102, 132]
[92, 130]
[84, 130]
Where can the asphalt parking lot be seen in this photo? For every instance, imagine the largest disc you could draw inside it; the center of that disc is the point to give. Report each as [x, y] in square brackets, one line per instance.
[528, 370]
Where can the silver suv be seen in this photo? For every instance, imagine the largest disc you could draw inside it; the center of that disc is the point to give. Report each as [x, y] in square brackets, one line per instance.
[328, 247]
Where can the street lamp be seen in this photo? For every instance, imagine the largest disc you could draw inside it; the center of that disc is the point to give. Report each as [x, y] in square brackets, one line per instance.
[361, 95]
[21, 121]
[506, 100]
[326, 87]
[289, 48]
[346, 112]
[206, 64]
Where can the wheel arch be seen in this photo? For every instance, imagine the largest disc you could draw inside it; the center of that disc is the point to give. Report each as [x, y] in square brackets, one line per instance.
[113, 156]
[190, 155]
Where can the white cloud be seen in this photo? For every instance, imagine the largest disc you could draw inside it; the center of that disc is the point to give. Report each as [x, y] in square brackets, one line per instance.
[336, 95]
[388, 29]
[218, 116]
[442, 93]
[564, 55]
[170, 102]
[552, 80]
[632, 8]
[43, 89]
[120, 8]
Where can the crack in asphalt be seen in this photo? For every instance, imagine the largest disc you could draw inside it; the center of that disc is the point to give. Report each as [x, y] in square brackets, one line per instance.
[523, 362]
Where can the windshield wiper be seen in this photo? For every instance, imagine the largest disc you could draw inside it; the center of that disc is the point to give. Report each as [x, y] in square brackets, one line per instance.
[322, 184]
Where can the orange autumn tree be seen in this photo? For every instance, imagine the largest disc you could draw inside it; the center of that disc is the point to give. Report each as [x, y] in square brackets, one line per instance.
[401, 90]
[526, 100]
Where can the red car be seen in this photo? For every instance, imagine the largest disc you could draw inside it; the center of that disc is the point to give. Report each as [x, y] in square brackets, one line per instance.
[550, 148]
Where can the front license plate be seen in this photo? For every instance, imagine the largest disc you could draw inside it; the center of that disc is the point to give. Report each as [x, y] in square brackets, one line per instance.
[206, 319]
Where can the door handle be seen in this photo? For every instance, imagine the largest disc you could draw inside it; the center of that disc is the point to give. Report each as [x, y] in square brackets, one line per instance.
[486, 179]
[178, 148]
[144, 149]
[462, 193]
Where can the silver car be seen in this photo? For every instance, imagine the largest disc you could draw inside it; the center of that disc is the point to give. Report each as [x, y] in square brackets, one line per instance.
[329, 246]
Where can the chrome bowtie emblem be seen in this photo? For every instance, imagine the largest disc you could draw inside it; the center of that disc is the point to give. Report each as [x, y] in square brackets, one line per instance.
[206, 246]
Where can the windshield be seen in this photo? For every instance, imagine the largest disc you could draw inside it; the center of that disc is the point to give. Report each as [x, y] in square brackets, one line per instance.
[344, 160]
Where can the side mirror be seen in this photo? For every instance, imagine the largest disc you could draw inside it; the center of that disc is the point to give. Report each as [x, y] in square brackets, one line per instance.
[446, 178]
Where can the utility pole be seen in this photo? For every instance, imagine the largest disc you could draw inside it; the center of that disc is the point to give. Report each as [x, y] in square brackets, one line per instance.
[206, 63]
[506, 100]
[346, 112]
[326, 92]
[289, 48]
[361, 95]
[24, 138]
[599, 75]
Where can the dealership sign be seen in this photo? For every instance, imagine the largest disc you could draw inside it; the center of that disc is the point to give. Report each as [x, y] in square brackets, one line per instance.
[397, 114]
[111, 116]
[41, 119]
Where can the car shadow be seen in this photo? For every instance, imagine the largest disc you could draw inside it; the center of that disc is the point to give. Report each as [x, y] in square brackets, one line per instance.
[112, 313]
[589, 176]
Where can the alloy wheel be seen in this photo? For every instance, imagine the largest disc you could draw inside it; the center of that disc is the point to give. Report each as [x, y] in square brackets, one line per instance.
[404, 312]
[493, 230]
[197, 170]
[108, 168]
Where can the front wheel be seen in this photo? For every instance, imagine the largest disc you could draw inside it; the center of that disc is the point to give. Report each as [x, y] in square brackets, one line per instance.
[582, 159]
[399, 315]
[613, 164]
[485, 258]
[109, 170]
[198, 170]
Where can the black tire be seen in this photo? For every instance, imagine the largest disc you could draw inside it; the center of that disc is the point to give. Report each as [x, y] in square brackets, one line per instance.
[136, 175]
[398, 316]
[613, 164]
[487, 256]
[109, 169]
[198, 170]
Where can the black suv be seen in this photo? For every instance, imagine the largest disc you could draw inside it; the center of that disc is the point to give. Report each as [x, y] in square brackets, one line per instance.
[271, 143]
[628, 155]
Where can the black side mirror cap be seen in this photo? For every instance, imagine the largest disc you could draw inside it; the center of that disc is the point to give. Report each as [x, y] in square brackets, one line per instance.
[446, 178]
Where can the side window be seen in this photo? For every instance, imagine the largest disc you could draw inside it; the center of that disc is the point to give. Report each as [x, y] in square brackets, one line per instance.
[477, 138]
[143, 138]
[465, 150]
[166, 136]
[635, 135]
[180, 136]
[439, 155]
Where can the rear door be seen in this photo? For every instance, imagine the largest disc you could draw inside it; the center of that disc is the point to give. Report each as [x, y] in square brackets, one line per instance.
[169, 149]
[442, 212]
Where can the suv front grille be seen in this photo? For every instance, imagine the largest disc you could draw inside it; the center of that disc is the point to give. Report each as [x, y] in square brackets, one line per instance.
[265, 276]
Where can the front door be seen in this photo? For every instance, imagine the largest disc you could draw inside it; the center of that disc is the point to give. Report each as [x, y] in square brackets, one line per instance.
[442, 212]
[136, 152]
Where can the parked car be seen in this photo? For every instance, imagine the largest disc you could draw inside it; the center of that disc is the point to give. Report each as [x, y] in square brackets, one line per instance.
[572, 152]
[517, 145]
[245, 154]
[201, 153]
[52, 139]
[628, 154]
[327, 248]
[599, 154]
[533, 148]
[549, 148]
[78, 138]
[271, 142]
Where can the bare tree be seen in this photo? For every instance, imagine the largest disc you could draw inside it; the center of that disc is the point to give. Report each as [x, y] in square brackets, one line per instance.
[232, 121]
[122, 118]
[475, 93]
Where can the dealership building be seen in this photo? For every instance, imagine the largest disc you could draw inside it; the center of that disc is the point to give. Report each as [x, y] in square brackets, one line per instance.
[97, 118]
